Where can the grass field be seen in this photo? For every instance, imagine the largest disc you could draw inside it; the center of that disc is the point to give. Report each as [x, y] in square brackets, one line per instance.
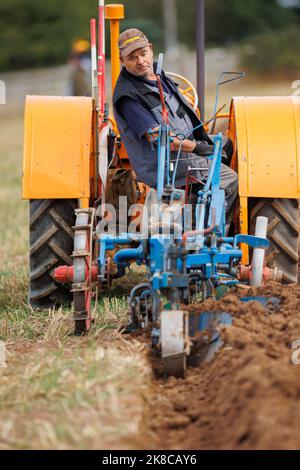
[58, 391]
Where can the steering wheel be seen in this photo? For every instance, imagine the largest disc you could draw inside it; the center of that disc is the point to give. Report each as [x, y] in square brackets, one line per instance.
[186, 88]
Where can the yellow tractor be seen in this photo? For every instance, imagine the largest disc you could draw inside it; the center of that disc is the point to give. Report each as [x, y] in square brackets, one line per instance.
[71, 146]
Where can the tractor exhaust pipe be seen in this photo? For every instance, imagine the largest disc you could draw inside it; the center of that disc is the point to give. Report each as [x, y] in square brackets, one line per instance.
[200, 52]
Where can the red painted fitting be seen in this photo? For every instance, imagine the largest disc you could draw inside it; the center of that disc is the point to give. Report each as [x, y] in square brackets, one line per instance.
[94, 272]
[272, 274]
[245, 274]
[65, 274]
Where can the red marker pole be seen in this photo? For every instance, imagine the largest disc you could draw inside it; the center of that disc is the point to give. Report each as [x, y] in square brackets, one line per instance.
[93, 34]
[94, 60]
[101, 56]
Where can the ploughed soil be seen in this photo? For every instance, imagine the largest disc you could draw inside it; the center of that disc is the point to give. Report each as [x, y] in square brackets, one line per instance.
[248, 395]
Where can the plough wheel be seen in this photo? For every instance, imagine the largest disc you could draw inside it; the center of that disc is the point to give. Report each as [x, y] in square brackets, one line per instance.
[82, 286]
[282, 233]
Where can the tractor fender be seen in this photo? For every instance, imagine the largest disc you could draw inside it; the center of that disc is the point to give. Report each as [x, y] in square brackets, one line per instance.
[266, 134]
[57, 147]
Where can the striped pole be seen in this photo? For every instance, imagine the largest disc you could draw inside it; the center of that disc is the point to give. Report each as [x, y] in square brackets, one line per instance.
[200, 48]
[94, 60]
[101, 56]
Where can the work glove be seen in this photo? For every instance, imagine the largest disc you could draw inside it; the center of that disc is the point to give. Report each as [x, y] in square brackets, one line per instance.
[203, 148]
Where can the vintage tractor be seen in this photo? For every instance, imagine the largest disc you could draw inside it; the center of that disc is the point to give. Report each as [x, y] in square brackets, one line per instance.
[74, 160]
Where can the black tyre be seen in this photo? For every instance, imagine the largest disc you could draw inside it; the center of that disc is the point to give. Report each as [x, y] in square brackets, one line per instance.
[51, 245]
[283, 233]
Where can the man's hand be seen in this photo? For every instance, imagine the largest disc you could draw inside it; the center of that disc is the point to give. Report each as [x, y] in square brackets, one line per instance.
[186, 144]
[203, 148]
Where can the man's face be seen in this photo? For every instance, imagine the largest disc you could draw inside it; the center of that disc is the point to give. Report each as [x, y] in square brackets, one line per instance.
[139, 62]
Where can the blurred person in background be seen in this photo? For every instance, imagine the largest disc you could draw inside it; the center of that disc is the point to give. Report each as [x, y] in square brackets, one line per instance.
[80, 64]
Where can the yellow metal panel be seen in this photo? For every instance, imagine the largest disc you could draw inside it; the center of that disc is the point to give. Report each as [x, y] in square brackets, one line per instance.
[57, 147]
[244, 227]
[84, 203]
[268, 146]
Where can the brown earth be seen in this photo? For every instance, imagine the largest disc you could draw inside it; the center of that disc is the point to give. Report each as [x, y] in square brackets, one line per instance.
[248, 396]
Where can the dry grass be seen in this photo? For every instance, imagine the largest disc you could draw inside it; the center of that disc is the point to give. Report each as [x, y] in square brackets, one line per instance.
[71, 395]
[62, 392]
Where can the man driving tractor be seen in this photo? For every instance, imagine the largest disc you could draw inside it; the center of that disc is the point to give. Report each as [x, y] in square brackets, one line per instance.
[138, 112]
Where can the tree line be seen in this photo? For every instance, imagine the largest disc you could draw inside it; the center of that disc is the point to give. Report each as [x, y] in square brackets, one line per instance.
[35, 33]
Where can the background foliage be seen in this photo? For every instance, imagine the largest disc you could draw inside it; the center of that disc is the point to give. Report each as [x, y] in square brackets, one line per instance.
[34, 33]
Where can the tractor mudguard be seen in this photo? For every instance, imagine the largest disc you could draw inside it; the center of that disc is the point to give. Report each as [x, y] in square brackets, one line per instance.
[57, 147]
[266, 131]
[266, 136]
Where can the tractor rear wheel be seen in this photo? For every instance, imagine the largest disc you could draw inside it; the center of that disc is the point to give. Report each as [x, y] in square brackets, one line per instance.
[51, 245]
[282, 233]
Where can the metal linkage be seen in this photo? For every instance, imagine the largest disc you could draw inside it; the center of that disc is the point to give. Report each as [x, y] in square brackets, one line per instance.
[179, 263]
[82, 286]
